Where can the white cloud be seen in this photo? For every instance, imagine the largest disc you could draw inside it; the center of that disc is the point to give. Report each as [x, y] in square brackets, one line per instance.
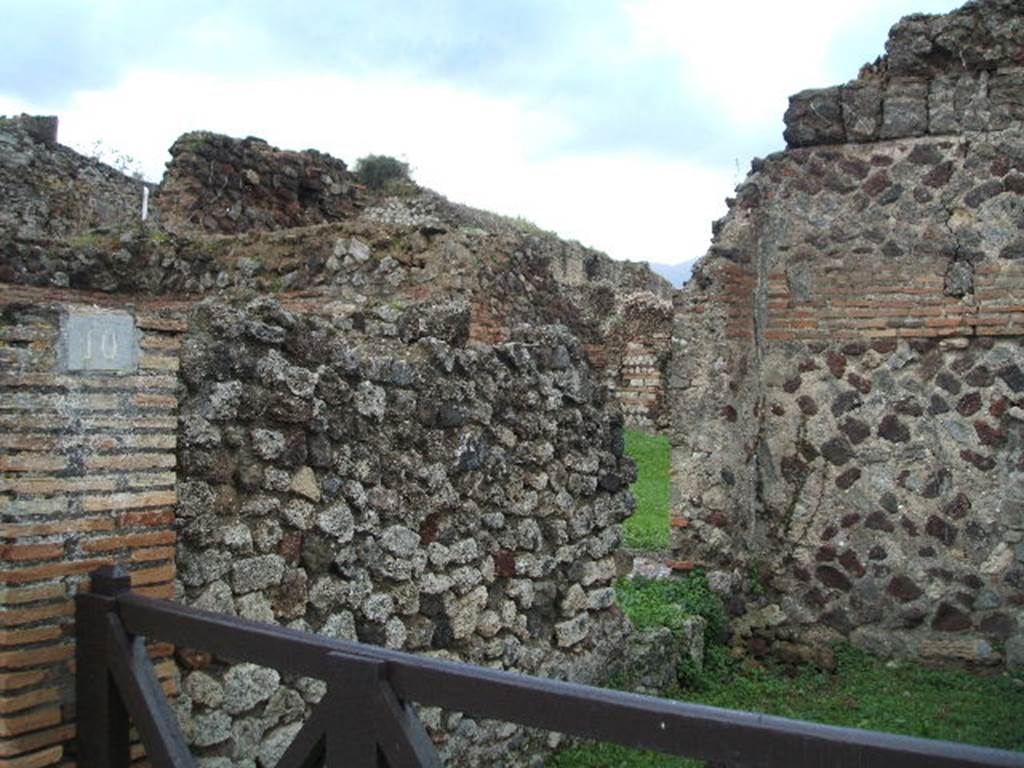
[738, 61]
[484, 151]
[634, 206]
[746, 57]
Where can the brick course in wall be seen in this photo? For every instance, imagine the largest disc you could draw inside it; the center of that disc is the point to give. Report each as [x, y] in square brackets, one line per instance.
[635, 356]
[889, 303]
[87, 477]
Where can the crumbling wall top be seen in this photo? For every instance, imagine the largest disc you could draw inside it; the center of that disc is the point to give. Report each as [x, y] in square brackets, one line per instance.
[941, 74]
[220, 184]
[42, 128]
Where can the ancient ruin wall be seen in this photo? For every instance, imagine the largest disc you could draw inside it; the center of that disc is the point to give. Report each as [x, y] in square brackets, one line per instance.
[92, 464]
[421, 494]
[48, 190]
[222, 185]
[396, 489]
[848, 375]
[240, 214]
[87, 477]
[91, 460]
[634, 354]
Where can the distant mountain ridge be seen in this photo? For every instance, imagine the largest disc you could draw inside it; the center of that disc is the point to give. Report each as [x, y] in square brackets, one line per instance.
[677, 274]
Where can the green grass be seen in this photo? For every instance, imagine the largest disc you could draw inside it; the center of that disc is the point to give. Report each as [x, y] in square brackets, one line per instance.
[665, 603]
[648, 528]
[864, 692]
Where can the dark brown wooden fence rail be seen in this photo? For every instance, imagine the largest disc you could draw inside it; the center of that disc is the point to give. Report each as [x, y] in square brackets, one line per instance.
[365, 719]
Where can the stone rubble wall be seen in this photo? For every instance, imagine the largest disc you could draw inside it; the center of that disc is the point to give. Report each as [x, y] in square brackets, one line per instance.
[630, 350]
[236, 214]
[381, 484]
[87, 478]
[848, 381]
[48, 190]
[222, 185]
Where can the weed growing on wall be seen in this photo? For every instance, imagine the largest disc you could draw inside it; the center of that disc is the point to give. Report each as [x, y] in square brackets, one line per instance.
[115, 158]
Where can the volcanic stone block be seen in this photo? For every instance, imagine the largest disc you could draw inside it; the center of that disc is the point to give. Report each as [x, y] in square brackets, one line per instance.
[815, 117]
[1006, 96]
[905, 109]
[942, 113]
[861, 103]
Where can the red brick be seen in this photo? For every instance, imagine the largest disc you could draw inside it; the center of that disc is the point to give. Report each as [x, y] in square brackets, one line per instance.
[13, 681]
[150, 554]
[129, 422]
[128, 541]
[151, 322]
[79, 525]
[32, 462]
[31, 699]
[29, 552]
[34, 656]
[28, 442]
[168, 402]
[131, 461]
[13, 617]
[44, 757]
[12, 637]
[157, 575]
[128, 501]
[14, 726]
[149, 518]
[50, 570]
[159, 363]
[22, 595]
[157, 341]
[47, 486]
[37, 740]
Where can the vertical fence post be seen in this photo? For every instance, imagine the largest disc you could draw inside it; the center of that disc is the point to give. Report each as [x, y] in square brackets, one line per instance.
[352, 688]
[102, 720]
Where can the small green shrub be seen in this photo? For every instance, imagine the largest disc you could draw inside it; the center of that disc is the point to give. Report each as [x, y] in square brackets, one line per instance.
[381, 172]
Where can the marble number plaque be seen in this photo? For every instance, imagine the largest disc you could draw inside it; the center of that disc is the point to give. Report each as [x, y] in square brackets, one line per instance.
[99, 341]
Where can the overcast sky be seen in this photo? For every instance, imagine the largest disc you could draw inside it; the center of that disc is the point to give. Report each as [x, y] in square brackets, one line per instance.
[620, 123]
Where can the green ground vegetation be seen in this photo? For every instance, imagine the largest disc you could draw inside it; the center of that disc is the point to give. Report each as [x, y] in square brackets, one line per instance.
[653, 603]
[862, 692]
[648, 528]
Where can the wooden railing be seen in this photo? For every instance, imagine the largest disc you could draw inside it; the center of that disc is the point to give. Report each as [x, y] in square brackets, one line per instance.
[365, 718]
